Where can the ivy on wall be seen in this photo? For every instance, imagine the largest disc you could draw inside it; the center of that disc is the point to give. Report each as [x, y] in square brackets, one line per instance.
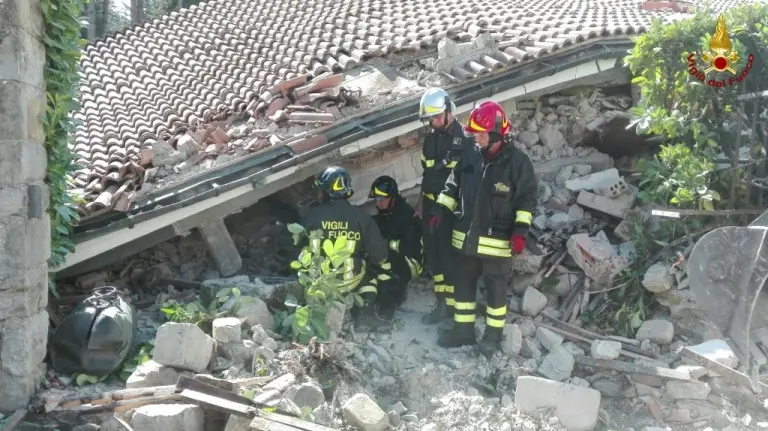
[63, 47]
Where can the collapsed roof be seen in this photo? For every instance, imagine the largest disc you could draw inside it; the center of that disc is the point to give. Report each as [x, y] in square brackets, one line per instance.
[166, 93]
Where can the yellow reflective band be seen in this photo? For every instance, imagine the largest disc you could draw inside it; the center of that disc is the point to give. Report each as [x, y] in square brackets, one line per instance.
[383, 277]
[448, 288]
[438, 277]
[495, 323]
[429, 163]
[466, 305]
[368, 289]
[386, 265]
[458, 235]
[432, 110]
[337, 186]
[439, 288]
[457, 243]
[429, 196]
[378, 192]
[501, 311]
[464, 318]
[523, 217]
[451, 165]
[450, 302]
[493, 242]
[474, 127]
[395, 245]
[492, 251]
[446, 201]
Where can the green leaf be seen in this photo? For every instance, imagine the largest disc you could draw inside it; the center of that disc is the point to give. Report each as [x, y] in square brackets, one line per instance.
[295, 265]
[302, 316]
[235, 291]
[224, 292]
[328, 248]
[291, 301]
[295, 228]
[638, 80]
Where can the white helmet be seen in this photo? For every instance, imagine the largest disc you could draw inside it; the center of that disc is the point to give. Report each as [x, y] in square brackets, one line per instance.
[434, 102]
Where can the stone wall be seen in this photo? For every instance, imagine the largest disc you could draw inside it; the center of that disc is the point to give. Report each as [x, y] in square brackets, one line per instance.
[24, 224]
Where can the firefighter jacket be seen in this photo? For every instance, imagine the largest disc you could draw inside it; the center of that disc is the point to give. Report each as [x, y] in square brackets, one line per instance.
[440, 152]
[402, 230]
[339, 218]
[491, 200]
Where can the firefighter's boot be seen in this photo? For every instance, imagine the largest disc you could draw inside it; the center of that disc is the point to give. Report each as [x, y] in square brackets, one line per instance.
[491, 342]
[440, 312]
[368, 320]
[462, 334]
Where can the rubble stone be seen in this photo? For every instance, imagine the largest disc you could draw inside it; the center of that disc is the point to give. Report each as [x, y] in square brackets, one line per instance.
[564, 284]
[605, 349]
[281, 383]
[540, 221]
[549, 339]
[306, 395]
[238, 423]
[254, 310]
[718, 351]
[594, 181]
[152, 373]
[527, 328]
[362, 412]
[529, 349]
[574, 349]
[595, 256]
[226, 329]
[239, 352]
[657, 279]
[513, 339]
[164, 417]
[696, 372]
[558, 364]
[558, 220]
[576, 212]
[687, 390]
[658, 331]
[577, 408]
[533, 302]
[552, 138]
[335, 317]
[616, 207]
[183, 345]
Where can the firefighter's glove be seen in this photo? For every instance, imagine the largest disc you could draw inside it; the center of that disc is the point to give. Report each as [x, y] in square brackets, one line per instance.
[517, 242]
[434, 223]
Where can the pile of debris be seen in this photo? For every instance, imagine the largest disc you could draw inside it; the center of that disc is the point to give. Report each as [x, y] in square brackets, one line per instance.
[554, 126]
[298, 105]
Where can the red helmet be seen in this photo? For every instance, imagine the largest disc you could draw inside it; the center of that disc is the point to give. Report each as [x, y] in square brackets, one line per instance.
[488, 117]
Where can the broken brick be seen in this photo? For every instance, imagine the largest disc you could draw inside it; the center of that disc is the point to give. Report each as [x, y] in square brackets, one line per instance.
[611, 206]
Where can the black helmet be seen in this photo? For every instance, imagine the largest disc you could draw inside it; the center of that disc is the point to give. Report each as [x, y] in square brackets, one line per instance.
[384, 187]
[335, 181]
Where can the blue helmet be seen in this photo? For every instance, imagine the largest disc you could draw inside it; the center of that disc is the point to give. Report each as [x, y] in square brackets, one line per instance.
[336, 182]
[384, 187]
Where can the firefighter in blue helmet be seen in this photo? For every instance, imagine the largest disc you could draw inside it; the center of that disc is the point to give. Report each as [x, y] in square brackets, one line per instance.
[403, 233]
[441, 150]
[367, 266]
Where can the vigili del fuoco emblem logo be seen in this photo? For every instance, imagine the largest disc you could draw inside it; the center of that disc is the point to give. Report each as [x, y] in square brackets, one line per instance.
[720, 58]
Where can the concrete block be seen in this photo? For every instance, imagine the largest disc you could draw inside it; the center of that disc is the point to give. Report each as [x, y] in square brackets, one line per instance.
[26, 243]
[165, 417]
[27, 292]
[513, 339]
[605, 349]
[718, 351]
[546, 171]
[281, 383]
[364, 414]
[615, 207]
[21, 107]
[576, 407]
[23, 14]
[558, 364]
[221, 246]
[549, 339]
[18, 390]
[21, 162]
[227, 330]
[13, 201]
[152, 373]
[687, 390]
[183, 345]
[22, 58]
[533, 302]
[24, 342]
[597, 180]
[308, 394]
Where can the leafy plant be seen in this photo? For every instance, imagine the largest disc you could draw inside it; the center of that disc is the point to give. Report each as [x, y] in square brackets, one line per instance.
[322, 268]
[202, 311]
[143, 355]
[62, 52]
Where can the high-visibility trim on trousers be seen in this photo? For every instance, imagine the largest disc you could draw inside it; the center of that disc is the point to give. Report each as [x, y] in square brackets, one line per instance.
[438, 277]
[464, 312]
[496, 317]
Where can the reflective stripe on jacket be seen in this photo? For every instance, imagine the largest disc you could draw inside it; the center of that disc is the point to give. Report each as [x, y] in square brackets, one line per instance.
[492, 201]
[440, 153]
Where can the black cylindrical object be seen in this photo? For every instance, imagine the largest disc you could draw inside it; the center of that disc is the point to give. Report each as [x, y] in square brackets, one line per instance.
[96, 337]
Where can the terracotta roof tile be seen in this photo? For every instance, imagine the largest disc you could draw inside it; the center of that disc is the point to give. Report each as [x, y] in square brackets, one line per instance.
[192, 69]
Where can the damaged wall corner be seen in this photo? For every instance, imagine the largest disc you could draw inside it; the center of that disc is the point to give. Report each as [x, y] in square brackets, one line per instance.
[25, 238]
[221, 246]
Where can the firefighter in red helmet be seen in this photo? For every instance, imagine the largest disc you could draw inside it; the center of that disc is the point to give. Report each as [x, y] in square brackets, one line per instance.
[492, 192]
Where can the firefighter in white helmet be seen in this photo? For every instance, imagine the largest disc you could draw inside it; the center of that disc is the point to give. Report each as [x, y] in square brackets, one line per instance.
[440, 152]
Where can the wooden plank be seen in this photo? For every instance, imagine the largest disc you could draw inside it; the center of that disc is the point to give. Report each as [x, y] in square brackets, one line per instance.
[185, 382]
[123, 394]
[123, 405]
[218, 404]
[294, 422]
[626, 367]
[261, 424]
[14, 420]
[723, 370]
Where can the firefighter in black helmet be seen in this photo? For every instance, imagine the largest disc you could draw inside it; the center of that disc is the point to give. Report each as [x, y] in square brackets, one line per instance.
[403, 233]
[367, 266]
